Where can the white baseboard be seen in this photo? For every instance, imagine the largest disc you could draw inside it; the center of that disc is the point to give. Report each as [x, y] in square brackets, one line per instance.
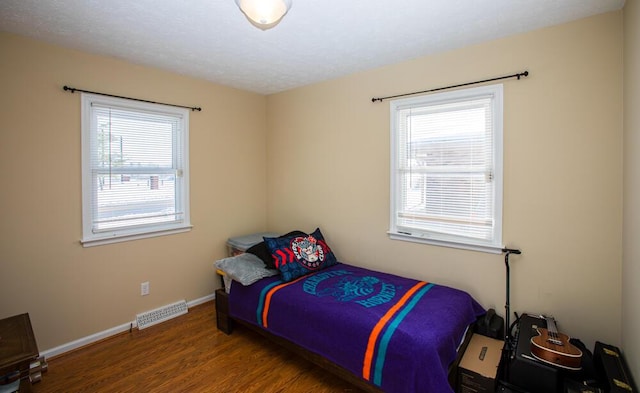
[59, 350]
[202, 300]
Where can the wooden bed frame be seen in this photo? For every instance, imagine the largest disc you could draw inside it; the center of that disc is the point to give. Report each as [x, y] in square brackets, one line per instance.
[225, 323]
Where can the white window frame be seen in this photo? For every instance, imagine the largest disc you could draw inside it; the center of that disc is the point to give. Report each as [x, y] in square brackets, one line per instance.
[397, 232]
[91, 238]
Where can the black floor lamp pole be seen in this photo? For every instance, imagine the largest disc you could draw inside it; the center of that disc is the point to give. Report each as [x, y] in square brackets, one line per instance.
[507, 336]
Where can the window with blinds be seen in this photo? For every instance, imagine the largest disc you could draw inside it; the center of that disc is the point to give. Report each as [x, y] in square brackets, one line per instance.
[135, 169]
[446, 169]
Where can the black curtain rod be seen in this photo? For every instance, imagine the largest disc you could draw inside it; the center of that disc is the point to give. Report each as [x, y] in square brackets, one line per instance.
[73, 90]
[518, 75]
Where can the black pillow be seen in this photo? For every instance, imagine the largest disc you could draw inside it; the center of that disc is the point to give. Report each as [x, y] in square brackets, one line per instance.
[261, 251]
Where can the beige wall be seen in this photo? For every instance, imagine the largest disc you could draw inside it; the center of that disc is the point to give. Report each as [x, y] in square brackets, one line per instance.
[631, 260]
[328, 166]
[69, 291]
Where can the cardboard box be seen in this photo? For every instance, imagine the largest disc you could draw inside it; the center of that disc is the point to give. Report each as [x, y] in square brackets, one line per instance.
[479, 365]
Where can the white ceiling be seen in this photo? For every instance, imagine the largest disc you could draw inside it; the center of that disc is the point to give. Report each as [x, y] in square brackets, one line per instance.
[317, 40]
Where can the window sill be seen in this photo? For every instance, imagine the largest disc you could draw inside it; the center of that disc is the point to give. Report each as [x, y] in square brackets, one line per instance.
[96, 241]
[445, 243]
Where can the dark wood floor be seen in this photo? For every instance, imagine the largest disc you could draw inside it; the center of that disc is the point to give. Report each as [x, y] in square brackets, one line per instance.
[187, 354]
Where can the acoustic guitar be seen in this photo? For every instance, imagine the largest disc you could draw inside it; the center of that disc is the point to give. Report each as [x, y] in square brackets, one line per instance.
[554, 348]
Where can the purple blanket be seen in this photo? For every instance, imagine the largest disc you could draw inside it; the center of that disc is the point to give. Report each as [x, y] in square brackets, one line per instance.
[397, 333]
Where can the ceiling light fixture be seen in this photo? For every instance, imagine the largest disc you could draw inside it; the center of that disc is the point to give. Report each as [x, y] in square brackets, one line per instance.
[264, 14]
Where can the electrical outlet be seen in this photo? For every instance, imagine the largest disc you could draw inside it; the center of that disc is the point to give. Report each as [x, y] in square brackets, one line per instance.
[144, 288]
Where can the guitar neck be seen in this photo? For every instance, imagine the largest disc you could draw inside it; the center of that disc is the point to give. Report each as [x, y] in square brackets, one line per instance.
[553, 331]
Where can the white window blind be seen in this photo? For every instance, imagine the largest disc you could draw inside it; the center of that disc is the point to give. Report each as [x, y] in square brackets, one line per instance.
[135, 169]
[446, 175]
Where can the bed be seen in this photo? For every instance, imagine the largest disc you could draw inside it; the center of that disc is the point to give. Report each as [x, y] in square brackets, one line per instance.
[380, 331]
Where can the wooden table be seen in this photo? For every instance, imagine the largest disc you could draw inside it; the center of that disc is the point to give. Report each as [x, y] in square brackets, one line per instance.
[19, 357]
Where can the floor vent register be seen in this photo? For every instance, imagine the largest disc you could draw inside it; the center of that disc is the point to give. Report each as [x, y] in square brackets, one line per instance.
[153, 317]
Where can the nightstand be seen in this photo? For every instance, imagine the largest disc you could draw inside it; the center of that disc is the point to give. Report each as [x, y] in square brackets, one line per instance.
[19, 357]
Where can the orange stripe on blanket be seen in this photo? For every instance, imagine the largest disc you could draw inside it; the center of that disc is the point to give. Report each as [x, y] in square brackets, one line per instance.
[373, 337]
[267, 300]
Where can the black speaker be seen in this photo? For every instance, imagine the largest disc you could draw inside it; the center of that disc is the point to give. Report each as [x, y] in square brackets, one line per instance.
[491, 325]
[524, 371]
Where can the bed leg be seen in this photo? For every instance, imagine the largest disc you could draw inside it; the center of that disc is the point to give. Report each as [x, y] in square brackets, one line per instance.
[224, 322]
